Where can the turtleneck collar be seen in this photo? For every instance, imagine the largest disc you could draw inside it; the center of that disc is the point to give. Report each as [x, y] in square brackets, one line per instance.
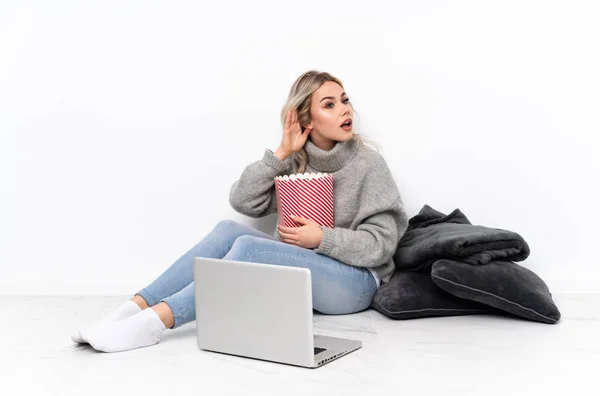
[332, 160]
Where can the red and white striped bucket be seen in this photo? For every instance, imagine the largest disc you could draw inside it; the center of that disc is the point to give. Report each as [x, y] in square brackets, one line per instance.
[307, 195]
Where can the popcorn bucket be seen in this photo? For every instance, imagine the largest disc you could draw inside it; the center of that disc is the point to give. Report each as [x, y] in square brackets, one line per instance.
[307, 195]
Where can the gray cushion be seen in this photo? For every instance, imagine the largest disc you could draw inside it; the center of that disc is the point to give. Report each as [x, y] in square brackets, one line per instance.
[410, 295]
[504, 285]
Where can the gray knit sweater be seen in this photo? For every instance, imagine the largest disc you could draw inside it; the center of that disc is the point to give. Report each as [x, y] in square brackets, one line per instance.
[369, 216]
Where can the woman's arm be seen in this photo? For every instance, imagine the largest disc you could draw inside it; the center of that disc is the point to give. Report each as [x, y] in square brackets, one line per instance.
[374, 241]
[254, 193]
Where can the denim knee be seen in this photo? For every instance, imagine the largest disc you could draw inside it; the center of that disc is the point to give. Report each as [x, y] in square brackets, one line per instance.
[226, 224]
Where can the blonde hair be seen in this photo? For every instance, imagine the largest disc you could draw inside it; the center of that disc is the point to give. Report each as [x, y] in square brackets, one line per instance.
[299, 99]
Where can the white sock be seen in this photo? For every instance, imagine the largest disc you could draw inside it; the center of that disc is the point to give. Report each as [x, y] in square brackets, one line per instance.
[140, 330]
[123, 311]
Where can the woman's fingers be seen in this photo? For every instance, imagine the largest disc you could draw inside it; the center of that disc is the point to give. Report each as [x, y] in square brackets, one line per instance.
[288, 240]
[287, 229]
[286, 234]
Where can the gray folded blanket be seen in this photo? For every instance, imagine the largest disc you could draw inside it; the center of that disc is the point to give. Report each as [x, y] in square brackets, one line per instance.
[432, 235]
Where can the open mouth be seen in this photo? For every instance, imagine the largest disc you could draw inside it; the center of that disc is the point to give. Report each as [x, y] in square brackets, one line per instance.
[347, 125]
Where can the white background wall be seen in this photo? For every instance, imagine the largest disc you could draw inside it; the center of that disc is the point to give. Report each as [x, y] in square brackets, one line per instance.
[124, 124]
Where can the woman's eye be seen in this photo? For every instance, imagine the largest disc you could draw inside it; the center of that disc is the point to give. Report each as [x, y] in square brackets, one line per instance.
[345, 100]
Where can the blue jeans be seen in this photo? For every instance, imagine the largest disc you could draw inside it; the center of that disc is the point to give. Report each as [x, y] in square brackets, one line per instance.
[337, 288]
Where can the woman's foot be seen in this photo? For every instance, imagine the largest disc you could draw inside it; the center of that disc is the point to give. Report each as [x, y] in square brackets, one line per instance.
[140, 330]
[125, 310]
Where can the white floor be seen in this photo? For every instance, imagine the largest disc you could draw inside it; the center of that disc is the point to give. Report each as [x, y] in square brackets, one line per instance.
[464, 355]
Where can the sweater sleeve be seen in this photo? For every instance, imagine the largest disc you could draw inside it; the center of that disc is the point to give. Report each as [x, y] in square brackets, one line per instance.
[374, 241]
[254, 193]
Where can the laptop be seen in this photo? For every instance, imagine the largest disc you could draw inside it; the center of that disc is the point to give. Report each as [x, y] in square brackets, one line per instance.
[261, 311]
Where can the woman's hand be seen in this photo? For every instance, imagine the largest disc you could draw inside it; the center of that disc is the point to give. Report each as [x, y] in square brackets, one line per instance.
[308, 236]
[293, 137]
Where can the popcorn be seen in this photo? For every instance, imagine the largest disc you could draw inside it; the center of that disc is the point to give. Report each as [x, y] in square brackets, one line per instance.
[307, 195]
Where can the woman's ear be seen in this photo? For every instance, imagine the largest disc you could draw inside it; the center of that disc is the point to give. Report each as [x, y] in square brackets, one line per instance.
[309, 126]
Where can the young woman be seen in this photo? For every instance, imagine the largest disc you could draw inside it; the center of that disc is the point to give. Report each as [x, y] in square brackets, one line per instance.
[348, 262]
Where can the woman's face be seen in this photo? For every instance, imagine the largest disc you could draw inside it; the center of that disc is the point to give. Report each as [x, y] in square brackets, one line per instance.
[329, 108]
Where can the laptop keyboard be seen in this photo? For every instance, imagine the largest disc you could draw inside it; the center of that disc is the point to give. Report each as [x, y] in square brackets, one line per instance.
[319, 350]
